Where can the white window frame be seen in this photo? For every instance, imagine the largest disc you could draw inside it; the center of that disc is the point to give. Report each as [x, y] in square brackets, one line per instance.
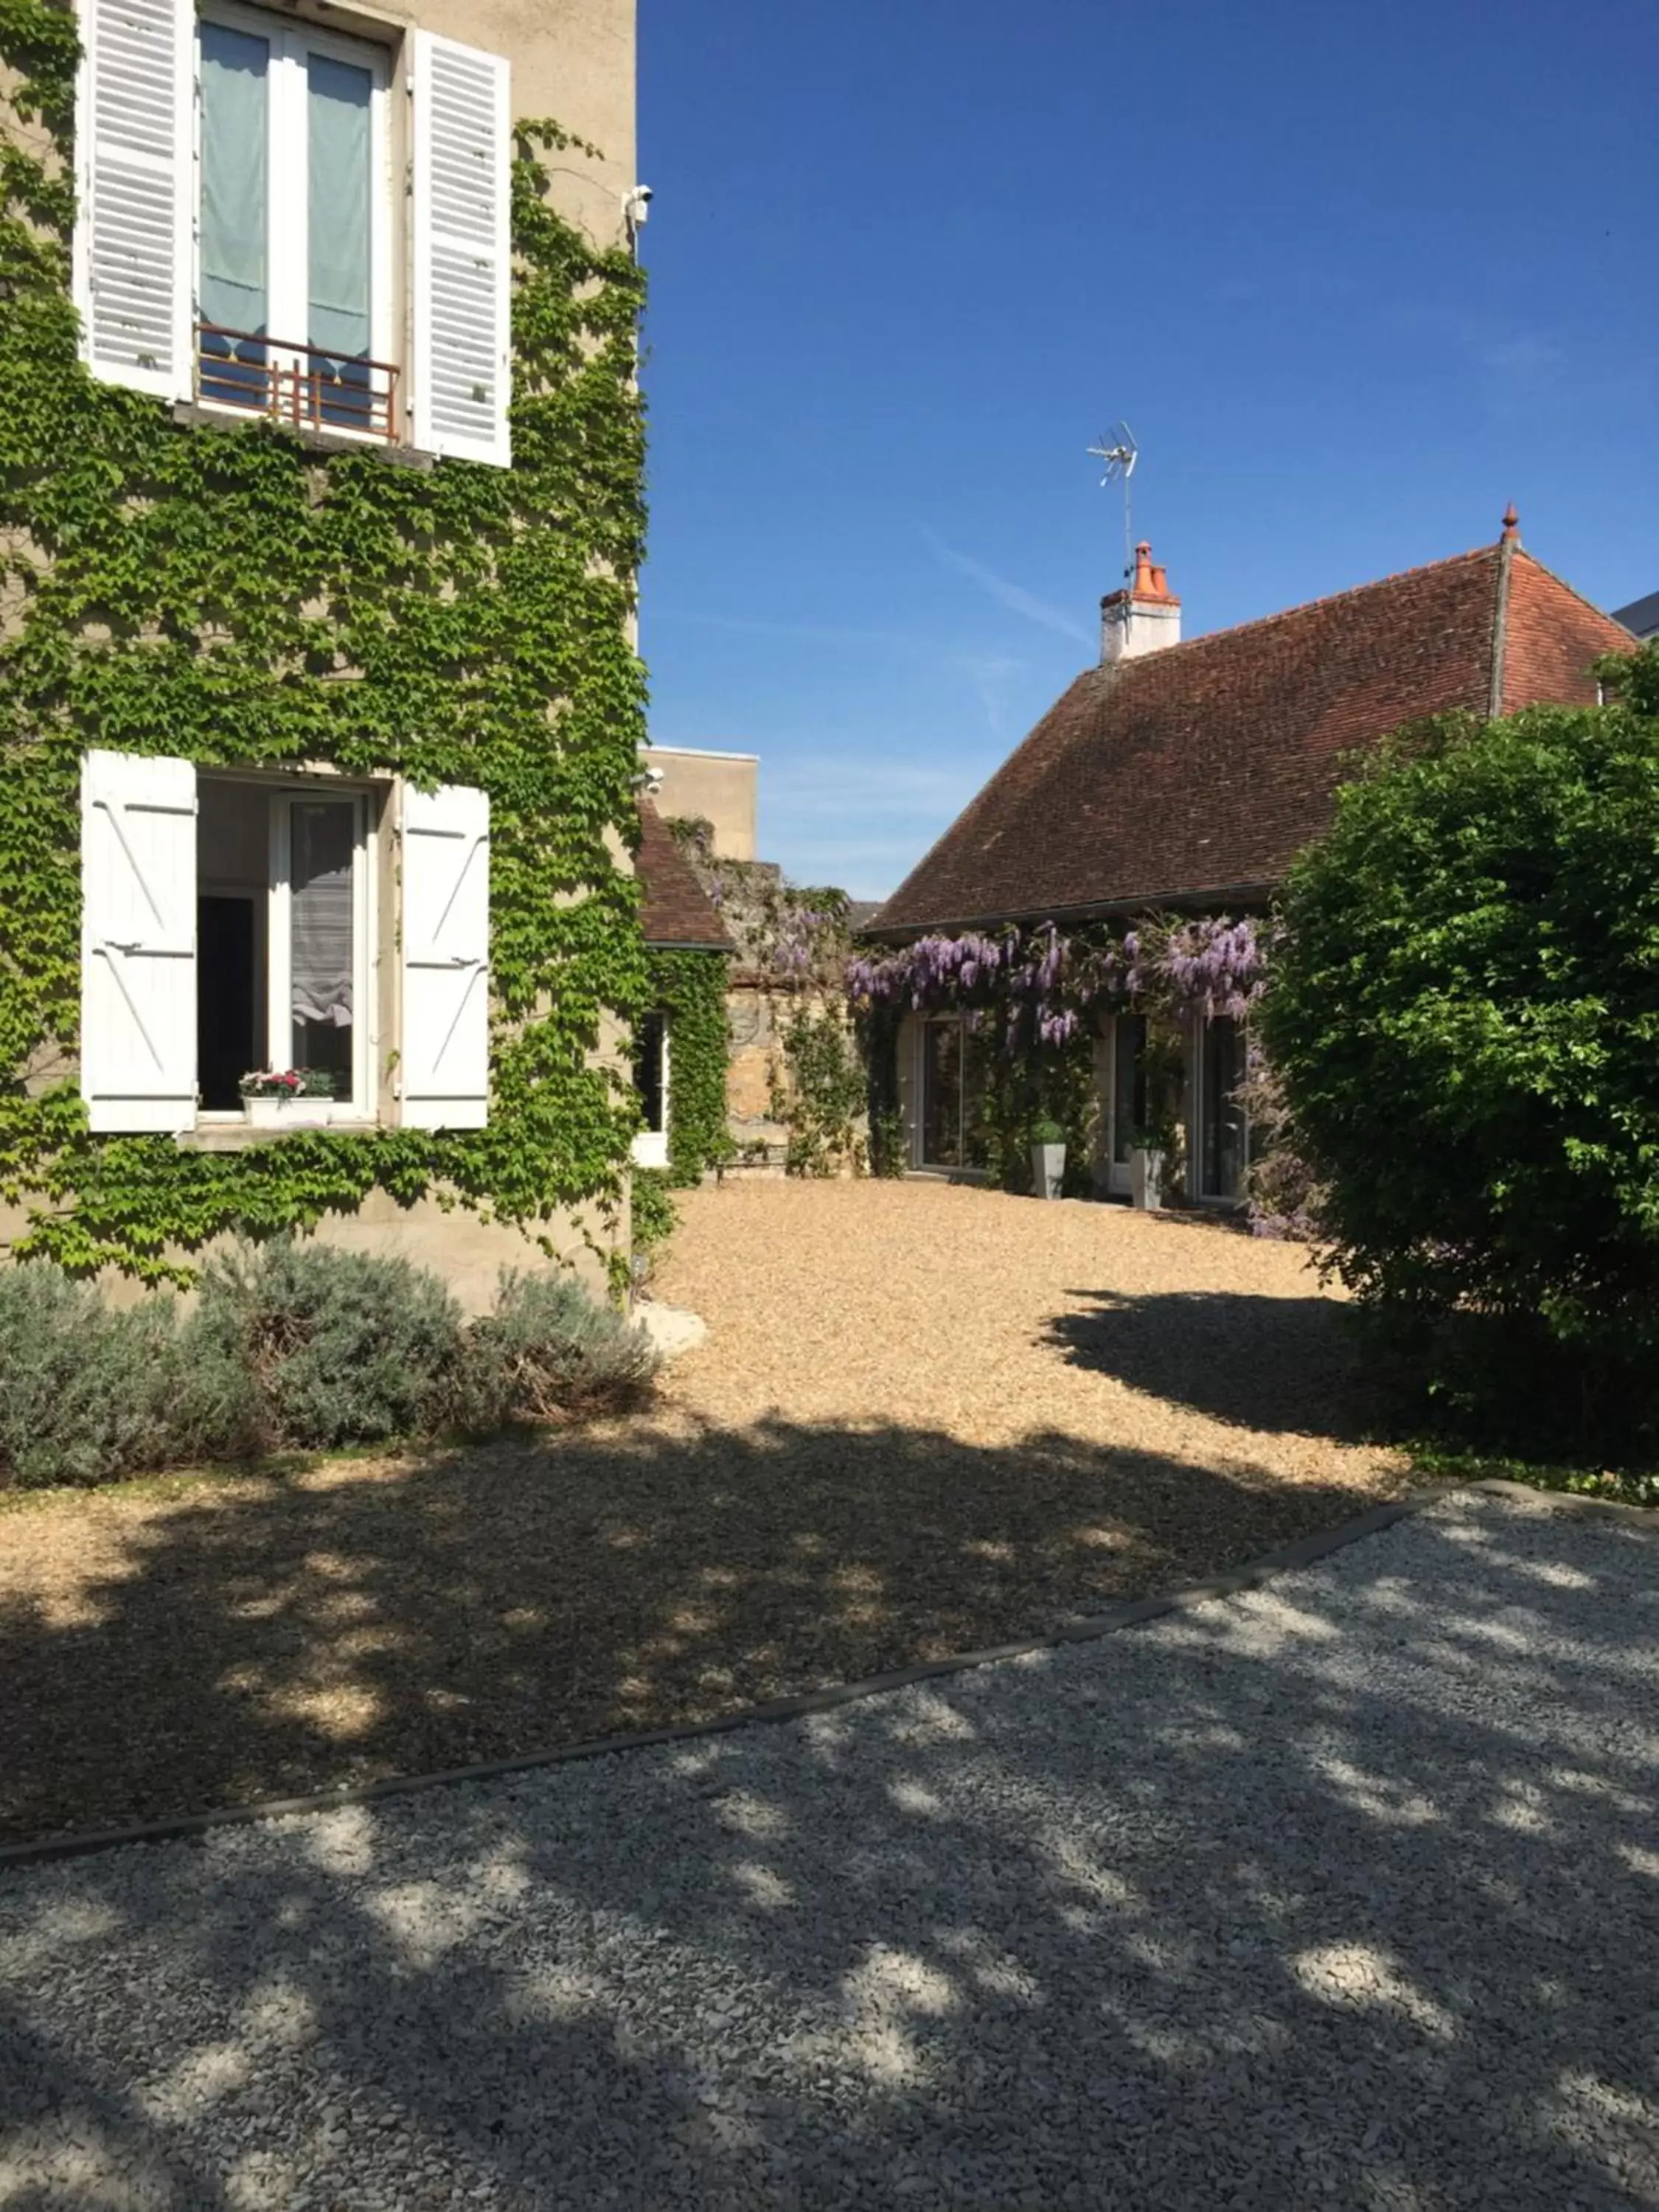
[361, 1105]
[288, 303]
[272, 924]
[650, 1146]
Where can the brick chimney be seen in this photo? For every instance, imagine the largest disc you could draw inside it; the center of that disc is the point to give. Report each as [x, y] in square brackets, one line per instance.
[1141, 618]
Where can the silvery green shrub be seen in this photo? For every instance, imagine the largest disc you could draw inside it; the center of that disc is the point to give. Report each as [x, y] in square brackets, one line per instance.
[88, 1392]
[547, 1352]
[297, 1344]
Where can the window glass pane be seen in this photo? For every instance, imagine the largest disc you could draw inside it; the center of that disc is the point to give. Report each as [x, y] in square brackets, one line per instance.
[324, 838]
[976, 1065]
[1223, 1117]
[1128, 1084]
[648, 1071]
[338, 158]
[235, 211]
[941, 1095]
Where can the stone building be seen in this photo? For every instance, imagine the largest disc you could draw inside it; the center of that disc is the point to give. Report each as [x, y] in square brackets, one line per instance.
[327, 692]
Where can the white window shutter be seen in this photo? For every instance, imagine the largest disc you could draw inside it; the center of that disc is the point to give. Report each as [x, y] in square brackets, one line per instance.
[445, 1046]
[135, 183]
[137, 942]
[463, 254]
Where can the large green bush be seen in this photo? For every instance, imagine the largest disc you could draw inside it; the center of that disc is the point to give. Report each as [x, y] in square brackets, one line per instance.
[1464, 1015]
[87, 1392]
[297, 1344]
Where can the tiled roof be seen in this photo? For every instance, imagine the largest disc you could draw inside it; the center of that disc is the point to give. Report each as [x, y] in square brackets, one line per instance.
[1641, 616]
[1197, 772]
[676, 911]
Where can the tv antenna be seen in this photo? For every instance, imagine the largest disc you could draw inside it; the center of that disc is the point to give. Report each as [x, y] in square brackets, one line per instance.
[1118, 450]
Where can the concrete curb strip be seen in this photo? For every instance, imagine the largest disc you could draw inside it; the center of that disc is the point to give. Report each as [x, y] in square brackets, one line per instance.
[1132, 1613]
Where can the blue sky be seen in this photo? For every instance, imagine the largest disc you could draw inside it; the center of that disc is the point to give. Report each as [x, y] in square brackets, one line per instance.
[1356, 278]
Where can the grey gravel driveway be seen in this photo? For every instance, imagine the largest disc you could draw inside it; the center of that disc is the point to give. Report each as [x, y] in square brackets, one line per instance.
[1343, 1893]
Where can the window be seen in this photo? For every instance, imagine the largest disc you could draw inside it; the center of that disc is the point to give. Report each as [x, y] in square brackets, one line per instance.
[1221, 1126]
[293, 224]
[1128, 1087]
[230, 923]
[651, 1085]
[952, 1095]
[282, 940]
[239, 195]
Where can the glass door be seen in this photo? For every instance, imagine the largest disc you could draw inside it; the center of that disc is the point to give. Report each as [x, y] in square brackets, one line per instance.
[941, 1095]
[1222, 1154]
[1128, 1094]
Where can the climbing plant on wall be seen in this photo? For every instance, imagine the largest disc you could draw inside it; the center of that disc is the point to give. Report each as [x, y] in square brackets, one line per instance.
[224, 594]
[690, 988]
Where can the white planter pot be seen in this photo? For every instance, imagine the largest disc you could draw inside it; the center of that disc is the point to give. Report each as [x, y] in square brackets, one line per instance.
[1145, 1179]
[307, 1113]
[1048, 1169]
[288, 1113]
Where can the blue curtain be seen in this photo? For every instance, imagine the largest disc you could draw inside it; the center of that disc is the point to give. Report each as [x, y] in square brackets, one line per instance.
[236, 177]
[339, 191]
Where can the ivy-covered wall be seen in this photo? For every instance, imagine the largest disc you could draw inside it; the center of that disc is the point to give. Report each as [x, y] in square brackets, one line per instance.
[226, 595]
[690, 986]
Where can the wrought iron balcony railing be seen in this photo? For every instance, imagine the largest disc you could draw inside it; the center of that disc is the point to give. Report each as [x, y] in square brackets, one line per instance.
[304, 385]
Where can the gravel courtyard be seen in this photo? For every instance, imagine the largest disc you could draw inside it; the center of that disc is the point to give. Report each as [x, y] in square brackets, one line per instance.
[1345, 1892]
[925, 1420]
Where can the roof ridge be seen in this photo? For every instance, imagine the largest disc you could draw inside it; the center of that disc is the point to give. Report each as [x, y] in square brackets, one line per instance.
[1308, 606]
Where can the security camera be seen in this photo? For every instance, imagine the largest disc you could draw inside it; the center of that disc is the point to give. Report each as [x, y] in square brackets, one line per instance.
[637, 205]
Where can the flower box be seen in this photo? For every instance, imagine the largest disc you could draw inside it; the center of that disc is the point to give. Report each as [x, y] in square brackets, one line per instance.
[287, 1098]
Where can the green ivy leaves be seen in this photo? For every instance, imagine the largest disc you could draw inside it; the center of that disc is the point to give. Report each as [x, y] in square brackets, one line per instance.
[223, 594]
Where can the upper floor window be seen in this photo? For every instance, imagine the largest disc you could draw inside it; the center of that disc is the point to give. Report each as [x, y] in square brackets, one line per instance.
[236, 239]
[294, 225]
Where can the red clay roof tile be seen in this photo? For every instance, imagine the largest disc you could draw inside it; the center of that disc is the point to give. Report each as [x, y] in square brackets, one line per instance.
[677, 910]
[1198, 772]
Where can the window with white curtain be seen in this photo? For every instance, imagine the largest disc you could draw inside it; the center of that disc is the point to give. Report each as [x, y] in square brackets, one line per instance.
[283, 932]
[236, 923]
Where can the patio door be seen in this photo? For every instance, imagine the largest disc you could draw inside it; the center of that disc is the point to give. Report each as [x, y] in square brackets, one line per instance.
[1223, 1136]
[952, 1085]
[1128, 1095]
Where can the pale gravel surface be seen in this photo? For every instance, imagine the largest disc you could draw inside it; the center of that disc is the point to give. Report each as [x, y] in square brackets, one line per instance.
[986, 1317]
[924, 1420]
[1343, 1893]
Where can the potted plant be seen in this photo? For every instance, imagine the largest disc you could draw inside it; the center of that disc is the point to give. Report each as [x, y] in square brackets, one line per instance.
[274, 1095]
[1151, 1149]
[1047, 1158]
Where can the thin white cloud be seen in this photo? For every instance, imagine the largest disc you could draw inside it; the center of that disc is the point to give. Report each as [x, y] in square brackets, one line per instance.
[1012, 595]
[988, 673]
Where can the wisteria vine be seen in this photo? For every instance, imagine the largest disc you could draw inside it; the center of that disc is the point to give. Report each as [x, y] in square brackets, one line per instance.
[1044, 985]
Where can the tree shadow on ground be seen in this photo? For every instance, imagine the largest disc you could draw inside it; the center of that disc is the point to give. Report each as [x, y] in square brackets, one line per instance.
[274, 1637]
[1338, 1895]
[1289, 1365]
